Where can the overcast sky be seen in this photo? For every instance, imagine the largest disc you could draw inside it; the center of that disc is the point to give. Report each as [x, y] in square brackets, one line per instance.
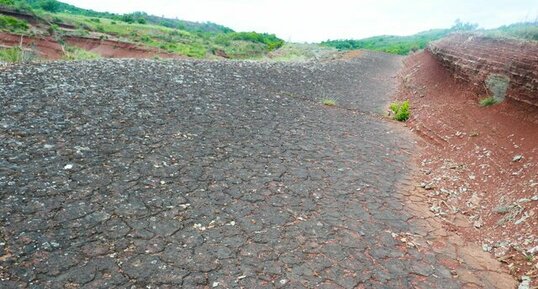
[313, 21]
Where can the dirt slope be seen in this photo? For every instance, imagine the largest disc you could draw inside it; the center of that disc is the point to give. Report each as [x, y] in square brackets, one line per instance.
[479, 165]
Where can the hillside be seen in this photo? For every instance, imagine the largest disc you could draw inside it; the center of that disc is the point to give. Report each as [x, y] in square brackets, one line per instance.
[172, 36]
[404, 44]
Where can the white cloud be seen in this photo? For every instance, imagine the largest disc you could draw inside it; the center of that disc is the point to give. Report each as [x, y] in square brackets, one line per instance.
[308, 20]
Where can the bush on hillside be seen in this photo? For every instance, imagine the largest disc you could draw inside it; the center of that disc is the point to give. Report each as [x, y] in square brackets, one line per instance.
[13, 24]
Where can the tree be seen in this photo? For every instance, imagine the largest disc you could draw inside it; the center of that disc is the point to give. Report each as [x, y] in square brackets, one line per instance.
[7, 2]
[49, 5]
[463, 26]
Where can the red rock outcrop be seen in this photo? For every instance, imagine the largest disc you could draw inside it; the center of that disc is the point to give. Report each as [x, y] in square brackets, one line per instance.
[474, 58]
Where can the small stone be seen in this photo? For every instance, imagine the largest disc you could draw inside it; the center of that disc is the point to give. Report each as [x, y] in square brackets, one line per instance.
[533, 250]
[478, 223]
[535, 198]
[216, 284]
[283, 282]
[426, 186]
[522, 219]
[68, 167]
[525, 283]
[199, 227]
[486, 247]
[46, 246]
[517, 158]
[48, 146]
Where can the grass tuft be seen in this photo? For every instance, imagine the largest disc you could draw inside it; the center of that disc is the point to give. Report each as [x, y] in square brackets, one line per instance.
[400, 110]
[328, 101]
[11, 55]
[75, 53]
[488, 101]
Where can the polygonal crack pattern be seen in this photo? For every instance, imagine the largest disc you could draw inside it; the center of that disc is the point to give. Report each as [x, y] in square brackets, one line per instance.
[121, 173]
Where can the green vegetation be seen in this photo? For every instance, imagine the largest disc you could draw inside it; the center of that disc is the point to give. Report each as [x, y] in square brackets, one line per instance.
[488, 101]
[171, 35]
[75, 53]
[12, 24]
[193, 44]
[523, 30]
[328, 101]
[11, 55]
[391, 44]
[401, 45]
[7, 2]
[270, 40]
[497, 85]
[400, 110]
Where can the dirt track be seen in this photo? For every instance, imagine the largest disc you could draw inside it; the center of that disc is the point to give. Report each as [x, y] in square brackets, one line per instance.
[212, 174]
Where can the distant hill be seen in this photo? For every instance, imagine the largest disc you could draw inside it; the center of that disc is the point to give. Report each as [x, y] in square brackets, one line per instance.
[404, 44]
[194, 39]
[389, 43]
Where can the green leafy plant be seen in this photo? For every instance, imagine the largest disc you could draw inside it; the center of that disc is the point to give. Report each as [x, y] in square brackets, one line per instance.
[328, 101]
[488, 101]
[400, 110]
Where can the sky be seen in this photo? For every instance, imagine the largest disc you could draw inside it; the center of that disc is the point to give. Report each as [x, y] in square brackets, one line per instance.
[319, 20]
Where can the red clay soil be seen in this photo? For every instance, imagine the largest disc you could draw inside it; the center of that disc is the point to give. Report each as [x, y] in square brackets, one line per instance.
[45, 47]
[116, 49]
[478, 165]
[49, 48]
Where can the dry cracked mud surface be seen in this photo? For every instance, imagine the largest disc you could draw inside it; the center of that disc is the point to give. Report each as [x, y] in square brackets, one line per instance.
[199, 174]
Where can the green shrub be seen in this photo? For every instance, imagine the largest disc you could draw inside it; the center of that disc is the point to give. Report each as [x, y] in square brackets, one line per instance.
[13, 24]
[488, 101]
[400, 110]
[497, 85]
